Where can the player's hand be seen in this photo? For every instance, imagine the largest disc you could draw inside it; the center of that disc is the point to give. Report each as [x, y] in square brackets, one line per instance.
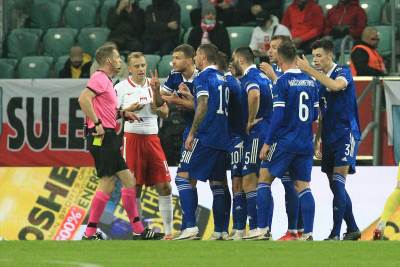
[302, 63]
[173, 25]
[184, 91]
[99, 130]
[317, 149]
[268, 70]
[131, 116]
[264, 152]
[154, 81]
[189, 142]
[171, 99]
[135, 107]
[250, 124]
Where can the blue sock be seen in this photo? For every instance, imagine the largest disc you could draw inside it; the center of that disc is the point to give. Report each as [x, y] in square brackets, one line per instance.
[339, 202]
[349, 217]
[270, 211]
[187, 199]
[263, 204]
[300, 225]
[307, 205]
[195, 199]
[218, 207]
[228, 203]
[291, 202]
[251, 200]
[240, 209]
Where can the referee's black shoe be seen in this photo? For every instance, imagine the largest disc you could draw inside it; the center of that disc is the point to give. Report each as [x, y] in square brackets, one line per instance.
[148, 234]
[96, 236]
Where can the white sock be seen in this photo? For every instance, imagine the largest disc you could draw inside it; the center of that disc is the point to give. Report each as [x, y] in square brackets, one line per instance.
[166, 210]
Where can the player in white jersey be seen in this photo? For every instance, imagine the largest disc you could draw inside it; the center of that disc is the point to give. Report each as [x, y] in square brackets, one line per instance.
[142, 148]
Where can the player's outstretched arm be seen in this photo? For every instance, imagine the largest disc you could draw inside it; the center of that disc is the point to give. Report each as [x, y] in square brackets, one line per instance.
[317, 141]
[268, 70]
[333, 85]
[162, 111]
[155, 87]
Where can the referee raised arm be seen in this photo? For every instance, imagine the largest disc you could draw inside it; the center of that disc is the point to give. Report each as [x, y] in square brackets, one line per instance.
[99, 103]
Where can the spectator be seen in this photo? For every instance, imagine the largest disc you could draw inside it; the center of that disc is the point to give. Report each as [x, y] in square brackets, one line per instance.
[247, 10]
[126, 22]
[162, 19]
[268, 26]
[365, 59]
[304, 18]
[123, 71]
[210, 31]
[78, 64]
[347, 17]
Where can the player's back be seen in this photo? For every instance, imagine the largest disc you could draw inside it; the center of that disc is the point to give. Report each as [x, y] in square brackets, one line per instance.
[237, 121]
[339, 109]
[213, 131]
[255, 77]
[298, 93]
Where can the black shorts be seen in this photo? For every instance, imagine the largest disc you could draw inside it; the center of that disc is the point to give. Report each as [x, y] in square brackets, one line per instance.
[107, 157]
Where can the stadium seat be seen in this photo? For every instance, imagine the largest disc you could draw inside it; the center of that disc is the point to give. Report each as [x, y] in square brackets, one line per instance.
[144, 3]
[152, 61]
[59, 65]
[45, 15]
[104, 10]
[58, 41]
[186, 7]
[373, 10]
[327, 4]
[186, 35]
[79, 14]
[23, 42]
[165, 66]
[239, 36]
[58, 2]
[35, 67]
[7, 68]
[385, 42]
[92, 38]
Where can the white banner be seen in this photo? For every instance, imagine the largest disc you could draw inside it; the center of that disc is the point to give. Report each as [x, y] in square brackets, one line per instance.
[392, 97]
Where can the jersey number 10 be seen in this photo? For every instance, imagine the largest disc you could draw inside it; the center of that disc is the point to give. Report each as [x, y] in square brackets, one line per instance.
[222, 110]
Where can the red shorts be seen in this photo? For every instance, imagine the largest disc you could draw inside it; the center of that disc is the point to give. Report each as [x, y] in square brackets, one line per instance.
[146, 159]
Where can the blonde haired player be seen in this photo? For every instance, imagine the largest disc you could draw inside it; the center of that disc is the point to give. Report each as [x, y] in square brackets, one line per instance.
[391, 205]
[142, 148]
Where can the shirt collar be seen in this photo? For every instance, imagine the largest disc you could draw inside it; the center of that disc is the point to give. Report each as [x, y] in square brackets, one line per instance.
[249, 68]
[331, 70]
[293, 71]
[214, 67]
[137, 85]
[194, 75]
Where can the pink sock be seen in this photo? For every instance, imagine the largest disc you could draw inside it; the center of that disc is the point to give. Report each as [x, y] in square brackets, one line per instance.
[129, 203]
[98, 204]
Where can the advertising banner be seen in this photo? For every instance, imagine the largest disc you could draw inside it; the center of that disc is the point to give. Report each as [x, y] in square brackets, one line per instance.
[52, 203]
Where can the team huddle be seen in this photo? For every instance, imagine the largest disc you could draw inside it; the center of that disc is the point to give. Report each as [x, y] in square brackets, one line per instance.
[256, 120]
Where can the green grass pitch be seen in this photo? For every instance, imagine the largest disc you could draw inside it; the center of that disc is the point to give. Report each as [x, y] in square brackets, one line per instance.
[198, 253]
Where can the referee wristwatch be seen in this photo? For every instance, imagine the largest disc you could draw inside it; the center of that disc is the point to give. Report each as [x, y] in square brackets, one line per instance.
[97, 123]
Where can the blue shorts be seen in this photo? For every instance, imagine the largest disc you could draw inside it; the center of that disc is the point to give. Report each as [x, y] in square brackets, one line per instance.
[205, 163]
[279, 162]
[236, 155]
[183, 167]
[341, 153]
[251, 157]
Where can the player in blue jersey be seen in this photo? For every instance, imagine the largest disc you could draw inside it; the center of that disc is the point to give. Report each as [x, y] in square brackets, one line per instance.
[178, 90]
[256, 115]
[288, 144]
[339, 131]
[273, 71]
[207, 143]
[237, 132]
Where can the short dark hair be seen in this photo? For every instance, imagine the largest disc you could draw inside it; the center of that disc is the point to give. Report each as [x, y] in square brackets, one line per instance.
[246, 53]
[283, 38]
[186, 49]
[222, 61]
[104, 52]
[210, 51]
[325, 44]
[287, 51]
[133, 55]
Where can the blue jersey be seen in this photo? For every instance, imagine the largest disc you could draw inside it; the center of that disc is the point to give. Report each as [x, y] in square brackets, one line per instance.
[213, 130]
[172, 85]
[339, 109]
[236, 106]
[254, 79]
[277, 70]
[295, 109]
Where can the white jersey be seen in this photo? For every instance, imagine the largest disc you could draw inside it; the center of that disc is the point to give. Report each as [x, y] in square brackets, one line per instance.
[128, 93]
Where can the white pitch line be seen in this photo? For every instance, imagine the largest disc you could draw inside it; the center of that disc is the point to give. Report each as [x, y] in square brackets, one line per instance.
[75, 263]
